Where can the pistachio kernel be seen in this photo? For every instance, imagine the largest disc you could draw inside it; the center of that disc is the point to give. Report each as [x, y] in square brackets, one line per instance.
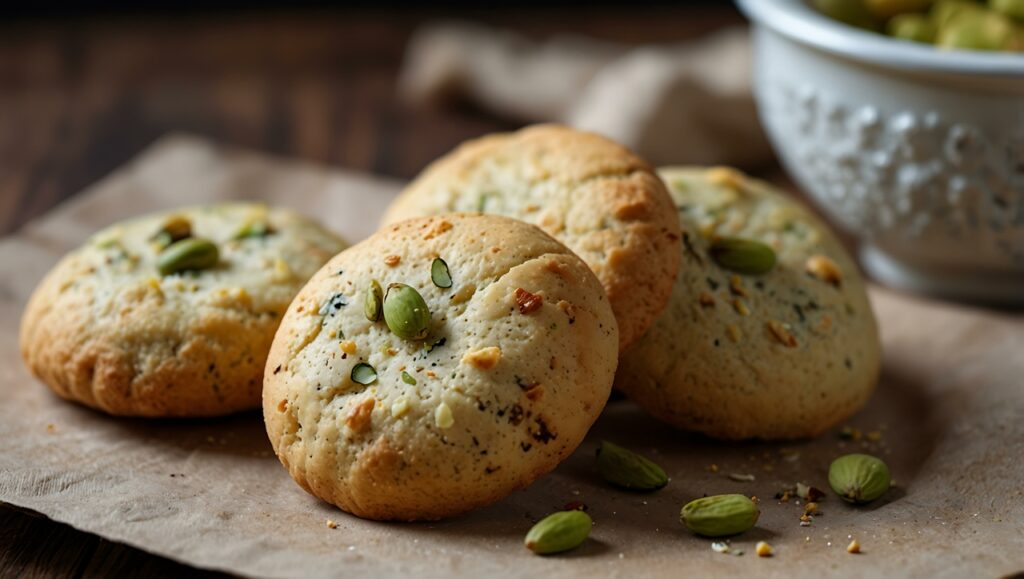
[189, 254]
[720, 515]
[408, 379]
[559, 532]
[405, 312]
[363, 373]
[373, 302]
[439, 273]
[175, 228]
[745, 256]
[859, 478]
[626, 469]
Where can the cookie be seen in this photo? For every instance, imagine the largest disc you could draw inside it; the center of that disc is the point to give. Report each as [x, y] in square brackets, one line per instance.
[172, 314]
[438, 366]
[590, 193]
[740, 354]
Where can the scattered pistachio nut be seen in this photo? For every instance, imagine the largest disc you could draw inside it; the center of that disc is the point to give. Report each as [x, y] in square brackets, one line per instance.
[443, 417]
[189, 254]
[720, 515]
[363, 373]
[405, 312]
[559, 532]
[629, 470]
[859, 478]
[408, 379]
[745, 256]
[439, 273]
[373, 302]
[253, 229]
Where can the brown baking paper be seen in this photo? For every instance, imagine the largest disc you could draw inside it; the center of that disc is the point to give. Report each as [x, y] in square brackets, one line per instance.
[210, 493]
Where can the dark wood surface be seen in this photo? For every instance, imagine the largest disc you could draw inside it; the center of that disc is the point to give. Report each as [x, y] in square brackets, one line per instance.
[80, 97]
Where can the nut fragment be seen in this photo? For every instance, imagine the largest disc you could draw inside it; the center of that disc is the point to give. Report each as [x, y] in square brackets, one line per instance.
[189, 254]
[745, 256]
[853, 547]
[528, 302]
[825, 269]
[443, 417]
[401, 407]
[359, 418]
[348, 346]
[764, 549]
[373, 301]
[484, 358]
[781, 333]
[706, 299]
[392, 260]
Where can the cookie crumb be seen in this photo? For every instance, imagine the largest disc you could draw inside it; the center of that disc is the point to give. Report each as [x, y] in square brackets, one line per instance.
[392, 260]
[824, 269]
[443, 416]
[348, 346]
[331, 524]
[764, 549]
[51, 428]
[853, 547]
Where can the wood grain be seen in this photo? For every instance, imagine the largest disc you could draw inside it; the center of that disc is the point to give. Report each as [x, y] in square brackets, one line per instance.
[81, 97]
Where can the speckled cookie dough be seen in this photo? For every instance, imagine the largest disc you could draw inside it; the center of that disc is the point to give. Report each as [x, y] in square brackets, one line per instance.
[172, 314]
[438, 366]
[769, 333]
[590, 193]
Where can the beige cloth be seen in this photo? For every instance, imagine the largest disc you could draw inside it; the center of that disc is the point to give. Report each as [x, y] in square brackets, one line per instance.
[210, 493]
[686, 103]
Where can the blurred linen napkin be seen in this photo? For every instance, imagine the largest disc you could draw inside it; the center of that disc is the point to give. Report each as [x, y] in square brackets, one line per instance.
[685, 103]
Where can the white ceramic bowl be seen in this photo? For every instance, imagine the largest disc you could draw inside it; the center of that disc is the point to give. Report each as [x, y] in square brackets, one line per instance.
[918, 151]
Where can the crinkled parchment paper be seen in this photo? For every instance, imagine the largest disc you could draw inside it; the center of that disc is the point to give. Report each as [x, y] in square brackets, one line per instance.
[210, 493]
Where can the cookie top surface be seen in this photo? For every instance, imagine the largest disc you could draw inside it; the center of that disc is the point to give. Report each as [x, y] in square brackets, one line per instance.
[590, 193]
[106, 328]
[516, 363]
[776, 355]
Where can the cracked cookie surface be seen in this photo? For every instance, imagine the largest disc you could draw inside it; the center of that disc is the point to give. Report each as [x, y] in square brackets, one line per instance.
[105, 328]
[593, 195]
[779, 355]
[515, 363]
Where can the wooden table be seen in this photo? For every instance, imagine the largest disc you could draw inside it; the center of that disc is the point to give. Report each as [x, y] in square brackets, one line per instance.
[79, 98]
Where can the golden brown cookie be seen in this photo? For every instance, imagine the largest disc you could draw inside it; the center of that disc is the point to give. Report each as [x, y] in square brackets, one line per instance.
[590, 193]
[394, 408]
[739, 354]
[107, 328]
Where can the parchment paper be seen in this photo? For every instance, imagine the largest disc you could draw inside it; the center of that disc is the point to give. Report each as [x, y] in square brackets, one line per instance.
[949, 409]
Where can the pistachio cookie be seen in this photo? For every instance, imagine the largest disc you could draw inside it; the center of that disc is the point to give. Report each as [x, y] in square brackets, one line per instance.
[172, 314]
[590, 193]
[769, 333]
[438, 366]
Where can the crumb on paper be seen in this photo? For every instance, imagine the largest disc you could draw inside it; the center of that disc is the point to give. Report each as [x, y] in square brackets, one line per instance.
[740, 477]
[720, 547]
[811, 509]
[51, 428]
[874, 435]
[331, 524]
[764, 549]
[713, 468]
[853, 547]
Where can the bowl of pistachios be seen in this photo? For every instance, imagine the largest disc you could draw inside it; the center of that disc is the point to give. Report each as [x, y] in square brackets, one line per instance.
[904, 121]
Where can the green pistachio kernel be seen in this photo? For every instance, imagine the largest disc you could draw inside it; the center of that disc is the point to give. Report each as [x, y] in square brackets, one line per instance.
[742, 255]
[408, 379]
[190, 254]
[559, 532]
[852, 12]
[364, 374]
[253, 229]
[629, 470]
[913, 27]
[945, 10]
[406, 313]
[373, 303]
[1011, 8]
[859, 478]
[439, 273]
[979, 30]
[885, 9]
[720, 515]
